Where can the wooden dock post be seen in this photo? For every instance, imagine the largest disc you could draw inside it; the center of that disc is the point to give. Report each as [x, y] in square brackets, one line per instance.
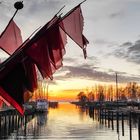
[98, 115]
[0, 126]
[108, 119]
[0, 121]
[117, 114]
[13, 119]
[105, 117]
[93, 113]
[112, 120]
[139, 127]
[130, 126]
[102, 116]
[122, 124]
[25, 124]
[5, 121]
[9, 121]
[18, 122]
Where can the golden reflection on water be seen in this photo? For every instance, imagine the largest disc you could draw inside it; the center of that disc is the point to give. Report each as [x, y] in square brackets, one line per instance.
[69, 112]
[71, 123]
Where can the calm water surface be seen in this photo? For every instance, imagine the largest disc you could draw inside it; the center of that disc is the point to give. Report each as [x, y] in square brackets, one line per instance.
[70, 122]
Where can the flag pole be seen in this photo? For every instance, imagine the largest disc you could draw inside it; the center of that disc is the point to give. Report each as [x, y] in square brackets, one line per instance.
[40, 33]
[60, 10]
[18, 5]
[67, 14]
[19, 49]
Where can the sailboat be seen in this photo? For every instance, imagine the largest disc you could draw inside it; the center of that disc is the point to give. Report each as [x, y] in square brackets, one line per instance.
[42, 103]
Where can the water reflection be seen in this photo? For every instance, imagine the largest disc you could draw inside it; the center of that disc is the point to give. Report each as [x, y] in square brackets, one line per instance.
[42, 118]
[66, 122]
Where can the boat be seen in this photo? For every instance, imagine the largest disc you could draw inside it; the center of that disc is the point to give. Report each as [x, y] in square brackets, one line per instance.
[42, 105]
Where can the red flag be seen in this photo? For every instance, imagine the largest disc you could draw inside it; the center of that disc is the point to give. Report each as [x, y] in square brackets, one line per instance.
[72, 24]
[38, 52]
[85, 42]
[11, 100]
[48, 48]
[56, 39]
[11, 38]
[14, 93]
[2, 100]
[30, 73]
[16, 78]
[47, 52]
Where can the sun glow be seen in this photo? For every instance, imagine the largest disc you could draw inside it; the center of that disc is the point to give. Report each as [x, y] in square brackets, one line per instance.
[67, 92]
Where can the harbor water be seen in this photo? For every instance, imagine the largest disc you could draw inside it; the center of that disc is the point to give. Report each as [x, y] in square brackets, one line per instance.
[69, 122]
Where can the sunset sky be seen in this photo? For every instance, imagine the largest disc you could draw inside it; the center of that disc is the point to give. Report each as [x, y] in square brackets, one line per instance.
[112, 28]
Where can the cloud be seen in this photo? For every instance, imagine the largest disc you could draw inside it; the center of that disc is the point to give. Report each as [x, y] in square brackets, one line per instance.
[105, 42]
[79, 60]
[135, 48]
[127, 44]
[70, 60]
[89, 72]
[115, 15]
[101, 41]
[53, 82]
[129, 51]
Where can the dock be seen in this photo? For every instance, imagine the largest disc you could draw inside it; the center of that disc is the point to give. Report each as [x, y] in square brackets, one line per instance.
[109, 115]
[11, 120]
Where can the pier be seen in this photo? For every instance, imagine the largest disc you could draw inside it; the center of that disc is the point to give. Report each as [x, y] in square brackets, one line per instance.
[111, 116]
[11, 120]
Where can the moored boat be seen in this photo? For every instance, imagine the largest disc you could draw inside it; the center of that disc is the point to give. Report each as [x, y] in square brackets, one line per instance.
[42, 105]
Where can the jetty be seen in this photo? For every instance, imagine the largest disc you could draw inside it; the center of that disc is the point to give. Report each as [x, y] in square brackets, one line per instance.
[111, 113]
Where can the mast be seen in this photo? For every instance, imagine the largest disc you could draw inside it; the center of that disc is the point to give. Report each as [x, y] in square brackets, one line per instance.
[117, 89]
[48, 91]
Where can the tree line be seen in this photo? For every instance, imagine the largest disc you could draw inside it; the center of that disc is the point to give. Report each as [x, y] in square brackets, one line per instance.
[131, 91]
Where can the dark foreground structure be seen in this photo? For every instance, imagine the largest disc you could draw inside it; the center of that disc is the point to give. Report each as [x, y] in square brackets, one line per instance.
[41, 52]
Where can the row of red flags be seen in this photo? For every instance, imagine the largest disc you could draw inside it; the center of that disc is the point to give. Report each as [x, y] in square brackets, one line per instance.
[45, 51]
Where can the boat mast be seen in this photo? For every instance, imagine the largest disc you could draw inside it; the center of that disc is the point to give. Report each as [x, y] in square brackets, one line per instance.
[117, 89]
[48, 91]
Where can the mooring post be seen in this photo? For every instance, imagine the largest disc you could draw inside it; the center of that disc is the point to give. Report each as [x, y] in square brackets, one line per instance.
[122, 124]
[105, 117]
[5, 122]
[93, 113]
[25, 125]
[13, 119]
[108, 119]
[0, 122]
[98, 114]
[130, 126]
[139, 127]
[102, 116]
[117, 113]
[112, 120]
[9, 120]
[18, 122]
